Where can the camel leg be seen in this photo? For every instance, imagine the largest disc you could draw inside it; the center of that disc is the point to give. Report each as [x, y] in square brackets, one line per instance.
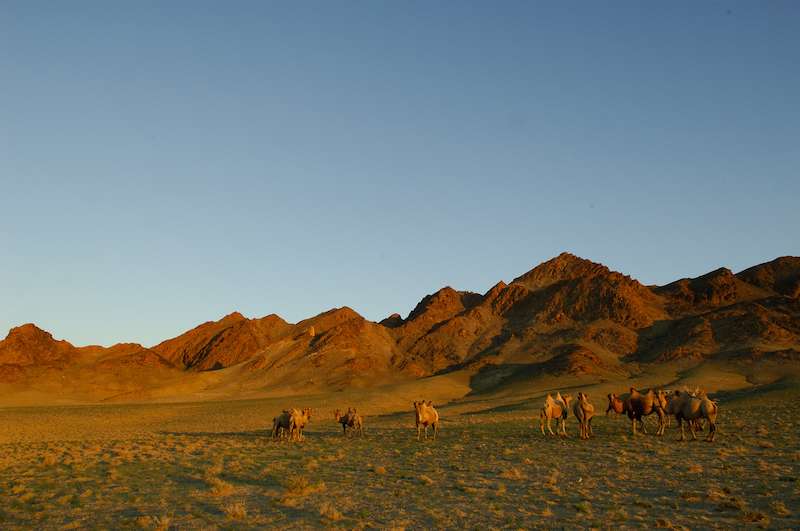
[712, 431]
[680, 425]
[419, 432]
[549, 428]
[541, 423]
[633, 425]
[691, 430]
[644, 426]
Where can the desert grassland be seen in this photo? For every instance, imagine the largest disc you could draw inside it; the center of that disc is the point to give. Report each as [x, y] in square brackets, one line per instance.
[212, 465]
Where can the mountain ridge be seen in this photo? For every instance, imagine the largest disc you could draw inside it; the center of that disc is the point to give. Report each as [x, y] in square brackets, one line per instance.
[566, 316]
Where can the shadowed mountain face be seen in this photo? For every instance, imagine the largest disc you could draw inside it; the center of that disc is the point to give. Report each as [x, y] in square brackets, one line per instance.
[567, 316]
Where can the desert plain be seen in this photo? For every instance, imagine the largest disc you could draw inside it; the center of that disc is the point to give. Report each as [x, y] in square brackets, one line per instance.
[178, 435]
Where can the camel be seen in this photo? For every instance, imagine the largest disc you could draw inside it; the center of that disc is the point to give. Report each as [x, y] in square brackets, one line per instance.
[281, 424]
[298, 420]
[641, 405]
[426, 415]
[555, 408]
[687, 407]
[351, 420]
[621, 407]
[616, 405]
[584, 411]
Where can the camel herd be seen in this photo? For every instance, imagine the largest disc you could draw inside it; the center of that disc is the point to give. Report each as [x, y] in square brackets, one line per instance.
[688, 407]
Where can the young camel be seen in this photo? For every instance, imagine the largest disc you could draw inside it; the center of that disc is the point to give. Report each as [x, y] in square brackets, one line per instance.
[689, 408]
[426, 415]
[351, 420]
[584, 411]
[555, 408]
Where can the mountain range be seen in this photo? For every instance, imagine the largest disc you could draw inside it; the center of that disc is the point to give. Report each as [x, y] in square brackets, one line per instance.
[567, 318]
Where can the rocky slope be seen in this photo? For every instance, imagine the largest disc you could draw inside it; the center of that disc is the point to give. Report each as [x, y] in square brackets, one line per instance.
[566, 317]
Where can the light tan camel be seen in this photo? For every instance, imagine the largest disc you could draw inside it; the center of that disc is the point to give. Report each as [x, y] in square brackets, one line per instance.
[297, 422]
[583, 411]
[426, 415]
[555, 408]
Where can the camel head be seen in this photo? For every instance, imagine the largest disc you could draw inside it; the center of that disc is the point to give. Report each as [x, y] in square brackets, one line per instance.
[614, 404]
[337, 414]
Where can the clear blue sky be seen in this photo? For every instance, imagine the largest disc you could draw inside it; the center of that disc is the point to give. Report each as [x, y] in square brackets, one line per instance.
[166, 163]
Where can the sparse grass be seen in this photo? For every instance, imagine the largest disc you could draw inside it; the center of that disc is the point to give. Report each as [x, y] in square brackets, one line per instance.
[485, 471]
[220, 488]
[512, 473]
[236, 510]
[161, 523]
[327, 510]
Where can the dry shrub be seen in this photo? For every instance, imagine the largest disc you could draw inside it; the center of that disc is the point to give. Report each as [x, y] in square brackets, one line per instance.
[695, 469]
[327, 510]
[235, 511]
[379, 470]
[64, 500]
[690, 497]
[512, 473]
[552, 482]
[162, 523]
[220, 487]
[300, 486]
[584, 507]
[215, 469]
[617, 514]
[425, 479]
[755, 517]
[780, 508]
